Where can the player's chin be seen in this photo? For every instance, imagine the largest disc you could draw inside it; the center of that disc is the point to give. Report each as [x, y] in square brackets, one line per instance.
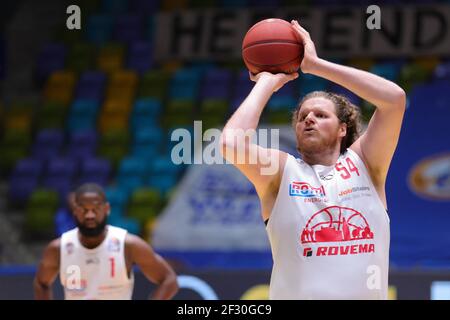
[309, 144]
[90, 225]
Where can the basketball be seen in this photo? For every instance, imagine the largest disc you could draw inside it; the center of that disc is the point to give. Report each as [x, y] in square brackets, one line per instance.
[272, 45]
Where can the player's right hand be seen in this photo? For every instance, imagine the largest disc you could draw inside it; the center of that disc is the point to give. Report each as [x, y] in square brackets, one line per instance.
[277, 81]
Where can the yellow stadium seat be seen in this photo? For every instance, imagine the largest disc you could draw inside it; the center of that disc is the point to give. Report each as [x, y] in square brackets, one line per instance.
[174, 5]
[123, 79]
[112, 123]
[117, 107]
[110, 58]
[114, 93]
[427, 63]
[361, 63]
[59, 87]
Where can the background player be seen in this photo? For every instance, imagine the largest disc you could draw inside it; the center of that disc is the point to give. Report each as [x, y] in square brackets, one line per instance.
[95, 260]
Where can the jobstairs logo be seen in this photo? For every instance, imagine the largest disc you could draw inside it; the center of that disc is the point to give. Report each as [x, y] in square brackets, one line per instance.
[235, 146]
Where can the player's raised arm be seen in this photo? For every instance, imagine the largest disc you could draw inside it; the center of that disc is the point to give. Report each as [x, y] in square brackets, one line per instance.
[377, 145]
[254, 161]
[154, 267]
[47, 271]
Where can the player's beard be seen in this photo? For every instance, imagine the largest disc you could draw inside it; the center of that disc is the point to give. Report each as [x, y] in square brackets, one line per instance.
[90, 232]
[315, 147]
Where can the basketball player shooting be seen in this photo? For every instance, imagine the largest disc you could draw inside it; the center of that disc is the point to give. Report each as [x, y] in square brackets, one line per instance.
[325, 212]
[95, 260]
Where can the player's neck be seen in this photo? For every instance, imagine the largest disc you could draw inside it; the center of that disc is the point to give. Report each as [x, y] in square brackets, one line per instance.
[92, 242]
[326, 157]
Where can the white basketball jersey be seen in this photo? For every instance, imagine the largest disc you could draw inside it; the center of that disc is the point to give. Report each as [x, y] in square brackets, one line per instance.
[99, 273]
[329, 233]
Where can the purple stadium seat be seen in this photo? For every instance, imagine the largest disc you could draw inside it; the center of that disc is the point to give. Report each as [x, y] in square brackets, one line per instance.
[61, 184]
[243, 85]
[264, 3]
[93, 78]
[82, 144]
[28, 167]
[24, 179]
[95, 170]
[144, 6]
[216, 84]
[346, 93]
[91, 85]
[20, 189]
[128, 28]
[140, 56]
[51, 58]
[288, 90]
[48, 143]
[59, 176]
[235, 103]
[61, 168]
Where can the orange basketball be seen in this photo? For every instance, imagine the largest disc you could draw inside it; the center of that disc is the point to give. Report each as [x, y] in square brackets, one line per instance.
[272, 45]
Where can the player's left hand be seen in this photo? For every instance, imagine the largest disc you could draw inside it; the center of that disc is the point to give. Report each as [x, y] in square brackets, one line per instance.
[310, 56]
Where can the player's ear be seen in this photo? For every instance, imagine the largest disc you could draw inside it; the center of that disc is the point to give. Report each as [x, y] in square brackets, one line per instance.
[108, 208]
[342, 130]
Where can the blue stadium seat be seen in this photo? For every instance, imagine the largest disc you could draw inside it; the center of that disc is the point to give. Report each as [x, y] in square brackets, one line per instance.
[145, 113]
[83, 115]
[147, 135]
[442, 71]
[115, 6]
[309, 83]
[132, 173]
[185, 84]
[282, 103]
[127, 223]
[163, 183]
[388, 71]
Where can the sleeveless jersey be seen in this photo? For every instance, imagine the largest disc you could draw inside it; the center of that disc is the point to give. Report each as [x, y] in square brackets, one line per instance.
[99, 273]
[329, 233]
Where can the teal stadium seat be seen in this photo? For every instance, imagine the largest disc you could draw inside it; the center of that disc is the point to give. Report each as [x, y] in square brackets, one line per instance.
[132, 173]
[83, 115]
[309, 83]
[99, 28]
[146, 112]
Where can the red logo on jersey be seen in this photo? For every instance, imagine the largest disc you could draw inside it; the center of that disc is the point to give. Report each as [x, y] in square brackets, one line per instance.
[304, 189]
[69, 247]
[337, 224]
[114, 245]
